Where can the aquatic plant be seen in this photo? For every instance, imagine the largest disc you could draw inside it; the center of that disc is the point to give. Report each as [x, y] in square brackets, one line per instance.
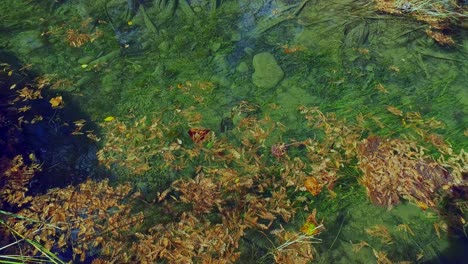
[75, 218]
[239, 185]
[439, 15]
[42, 223]
[235, 188]
[228, 183]
[208, 193]
[244, 170]
[43, 255]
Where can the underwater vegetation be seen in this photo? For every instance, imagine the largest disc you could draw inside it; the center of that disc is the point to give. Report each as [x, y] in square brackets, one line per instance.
[225, 187]
[233, 131]
[441, 16]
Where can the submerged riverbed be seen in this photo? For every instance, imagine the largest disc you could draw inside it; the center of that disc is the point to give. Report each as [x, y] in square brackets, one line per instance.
[333, 122]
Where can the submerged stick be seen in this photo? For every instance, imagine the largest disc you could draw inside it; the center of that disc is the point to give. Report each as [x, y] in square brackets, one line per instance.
[104, 58]
[437, 56]
[301, 6]
[411, 31]
[421, 64]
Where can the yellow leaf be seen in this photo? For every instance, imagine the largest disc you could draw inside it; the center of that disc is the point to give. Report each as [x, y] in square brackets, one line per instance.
[381, 88]
[56, 101]
[109, 119]
[394, 110]
[32, 157]
[235, 154]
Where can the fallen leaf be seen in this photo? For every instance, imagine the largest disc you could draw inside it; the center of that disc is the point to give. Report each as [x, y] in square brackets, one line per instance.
[109, 119]
[56, 101]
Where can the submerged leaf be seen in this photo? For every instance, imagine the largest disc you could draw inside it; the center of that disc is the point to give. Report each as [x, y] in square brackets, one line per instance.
[56, 101]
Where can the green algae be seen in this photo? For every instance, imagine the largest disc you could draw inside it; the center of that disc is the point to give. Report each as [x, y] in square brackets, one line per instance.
[344, 55]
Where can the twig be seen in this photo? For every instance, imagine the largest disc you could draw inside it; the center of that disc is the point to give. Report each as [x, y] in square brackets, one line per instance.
[339, 231]
[301, 6]
[437, 56]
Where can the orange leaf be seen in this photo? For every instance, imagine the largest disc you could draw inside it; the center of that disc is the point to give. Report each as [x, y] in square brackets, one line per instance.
[313, 186]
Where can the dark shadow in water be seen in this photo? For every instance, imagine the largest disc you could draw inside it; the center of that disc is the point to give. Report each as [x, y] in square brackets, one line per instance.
[457, 252]
[66, 158]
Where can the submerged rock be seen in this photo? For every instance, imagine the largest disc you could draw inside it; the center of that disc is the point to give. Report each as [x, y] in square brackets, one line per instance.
[242, 67]
[307, 39]
[267, 71]
[28, 41]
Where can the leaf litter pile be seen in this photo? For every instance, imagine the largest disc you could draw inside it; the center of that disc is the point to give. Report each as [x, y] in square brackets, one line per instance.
[194, 194]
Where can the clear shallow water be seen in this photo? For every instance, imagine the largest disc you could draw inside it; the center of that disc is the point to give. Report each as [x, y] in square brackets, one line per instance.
[344, 57]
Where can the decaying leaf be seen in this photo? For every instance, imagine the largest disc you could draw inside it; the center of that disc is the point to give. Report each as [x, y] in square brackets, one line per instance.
[382, 232]
[199, 135]
[395, 110]
[396, 168]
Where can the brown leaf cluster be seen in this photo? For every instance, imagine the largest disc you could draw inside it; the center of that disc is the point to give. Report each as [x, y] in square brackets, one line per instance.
[239, 186]
[245, 185]
[19, 94]
[189, 240]
[131, 146]
[398, 168]
[296, 248]
[77, 38]
[247, 190]
[201, 192]
[382, 232]
[328, 154]
[15, 176]
[393, 168]
[440, 37]
[84, 217]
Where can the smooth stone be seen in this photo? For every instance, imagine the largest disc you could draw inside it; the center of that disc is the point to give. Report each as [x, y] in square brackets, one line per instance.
[267, 71]
[236, 36]
[242, 67]
[108, 83]
[221, 64]
[28, 41]
[215, 46]
[249, 51]
[85, 59]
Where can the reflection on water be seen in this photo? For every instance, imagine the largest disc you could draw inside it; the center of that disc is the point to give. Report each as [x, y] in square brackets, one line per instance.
[215, 66]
